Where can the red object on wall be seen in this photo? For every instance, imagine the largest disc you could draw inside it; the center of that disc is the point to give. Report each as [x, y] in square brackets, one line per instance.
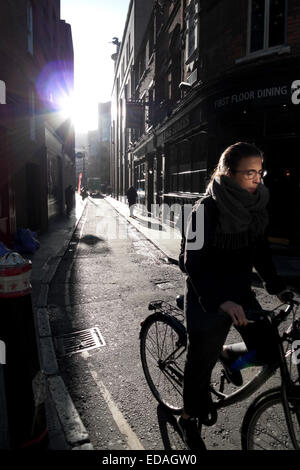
[79, 182]
[7, 199]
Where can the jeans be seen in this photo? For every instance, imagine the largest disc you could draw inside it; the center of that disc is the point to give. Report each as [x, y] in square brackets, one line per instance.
[207, 332]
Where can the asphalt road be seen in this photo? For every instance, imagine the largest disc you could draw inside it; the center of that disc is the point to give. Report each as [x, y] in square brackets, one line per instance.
[106, 280]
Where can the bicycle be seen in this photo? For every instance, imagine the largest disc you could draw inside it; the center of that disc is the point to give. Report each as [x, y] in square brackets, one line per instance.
[274, 416]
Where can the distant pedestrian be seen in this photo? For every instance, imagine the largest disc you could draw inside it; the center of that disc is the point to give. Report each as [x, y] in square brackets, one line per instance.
[131, 197]
[69, 194]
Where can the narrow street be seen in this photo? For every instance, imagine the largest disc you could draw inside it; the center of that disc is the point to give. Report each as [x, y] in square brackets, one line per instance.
[106, 280]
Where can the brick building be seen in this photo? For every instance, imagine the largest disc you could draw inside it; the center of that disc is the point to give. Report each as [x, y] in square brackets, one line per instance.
[37, 145]
[238, 66]
[121, 171]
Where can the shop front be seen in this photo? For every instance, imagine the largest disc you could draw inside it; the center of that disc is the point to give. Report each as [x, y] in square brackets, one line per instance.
[185, 144]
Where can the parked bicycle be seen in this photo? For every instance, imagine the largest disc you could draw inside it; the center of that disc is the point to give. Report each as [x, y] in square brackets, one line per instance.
[272, 422]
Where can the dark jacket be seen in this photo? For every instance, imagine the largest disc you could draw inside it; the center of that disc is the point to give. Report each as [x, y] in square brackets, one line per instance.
[131, 195]
[219, 275]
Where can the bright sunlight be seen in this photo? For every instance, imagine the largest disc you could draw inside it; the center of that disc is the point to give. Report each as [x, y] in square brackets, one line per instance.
[82, 112]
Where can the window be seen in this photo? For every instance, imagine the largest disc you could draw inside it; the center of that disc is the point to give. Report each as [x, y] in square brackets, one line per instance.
[192, 25]
[29, 27]
[267, 24]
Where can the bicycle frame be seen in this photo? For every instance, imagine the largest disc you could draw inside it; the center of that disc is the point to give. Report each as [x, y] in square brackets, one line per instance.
[246, 391]
[251, 387]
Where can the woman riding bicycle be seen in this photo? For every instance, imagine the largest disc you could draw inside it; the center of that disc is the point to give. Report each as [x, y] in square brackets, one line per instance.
[218, 286]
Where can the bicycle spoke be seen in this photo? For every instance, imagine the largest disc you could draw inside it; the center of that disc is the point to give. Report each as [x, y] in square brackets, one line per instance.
[267, 427]
[164, 356]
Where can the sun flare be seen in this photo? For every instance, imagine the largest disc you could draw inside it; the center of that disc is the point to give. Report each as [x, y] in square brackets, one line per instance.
[82, 113]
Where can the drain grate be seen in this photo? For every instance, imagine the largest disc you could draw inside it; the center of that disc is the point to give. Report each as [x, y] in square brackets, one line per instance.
[79, 341]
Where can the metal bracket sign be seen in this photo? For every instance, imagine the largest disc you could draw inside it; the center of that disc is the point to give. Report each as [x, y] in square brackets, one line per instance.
[135, 114]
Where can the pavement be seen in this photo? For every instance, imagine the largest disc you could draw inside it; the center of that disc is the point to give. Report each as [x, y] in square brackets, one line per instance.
[66, 430]
[167, 239]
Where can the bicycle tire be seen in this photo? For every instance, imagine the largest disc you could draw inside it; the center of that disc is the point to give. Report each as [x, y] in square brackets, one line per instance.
[264, 426]
[162, 349]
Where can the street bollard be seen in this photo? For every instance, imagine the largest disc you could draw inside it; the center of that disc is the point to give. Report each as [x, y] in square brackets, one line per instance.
[23, 382]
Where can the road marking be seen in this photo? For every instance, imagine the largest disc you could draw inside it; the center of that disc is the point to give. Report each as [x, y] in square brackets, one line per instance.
[133, 441]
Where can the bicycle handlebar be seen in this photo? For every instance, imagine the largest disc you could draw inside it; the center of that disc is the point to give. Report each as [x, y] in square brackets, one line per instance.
[283, 314]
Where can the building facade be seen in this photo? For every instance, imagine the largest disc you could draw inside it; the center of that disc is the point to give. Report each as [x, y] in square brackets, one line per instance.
[225, 71]
[121, 171]
[104, 127]
[36, 57]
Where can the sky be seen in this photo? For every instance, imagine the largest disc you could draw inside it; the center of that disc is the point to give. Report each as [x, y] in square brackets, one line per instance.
[94, 23]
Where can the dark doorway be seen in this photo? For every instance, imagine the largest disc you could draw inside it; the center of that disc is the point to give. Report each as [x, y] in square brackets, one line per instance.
[283, 180]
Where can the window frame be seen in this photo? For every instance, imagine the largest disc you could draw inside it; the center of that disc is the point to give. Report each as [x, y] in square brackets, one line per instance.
[265, 48]
[195, 5]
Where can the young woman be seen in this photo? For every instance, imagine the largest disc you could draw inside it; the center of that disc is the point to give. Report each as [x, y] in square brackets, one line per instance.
[218, 286]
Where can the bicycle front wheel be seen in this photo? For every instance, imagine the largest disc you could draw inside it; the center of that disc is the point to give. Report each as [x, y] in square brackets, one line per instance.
[265, 427]
[163, 351]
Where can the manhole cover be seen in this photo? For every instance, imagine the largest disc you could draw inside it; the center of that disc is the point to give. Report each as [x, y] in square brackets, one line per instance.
[79, 341]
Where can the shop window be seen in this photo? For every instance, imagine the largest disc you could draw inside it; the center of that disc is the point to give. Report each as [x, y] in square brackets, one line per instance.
[281, 121]
[267, 20]
[199, 151]
[184, 156]
[198, 184]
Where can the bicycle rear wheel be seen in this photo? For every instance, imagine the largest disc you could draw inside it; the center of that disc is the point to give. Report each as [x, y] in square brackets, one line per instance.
[265, 427]
[163, 348]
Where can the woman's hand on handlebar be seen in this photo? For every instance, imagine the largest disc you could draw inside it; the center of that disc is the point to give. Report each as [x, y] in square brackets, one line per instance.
[235, 311]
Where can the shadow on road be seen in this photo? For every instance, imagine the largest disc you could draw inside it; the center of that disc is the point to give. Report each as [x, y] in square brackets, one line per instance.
[150, 224]
[169, 430]
[91, 240]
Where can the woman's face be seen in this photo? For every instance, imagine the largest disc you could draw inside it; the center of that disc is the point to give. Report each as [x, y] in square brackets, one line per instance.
[248, 173]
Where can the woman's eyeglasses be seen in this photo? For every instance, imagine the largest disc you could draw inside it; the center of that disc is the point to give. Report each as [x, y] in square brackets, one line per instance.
[251, 174]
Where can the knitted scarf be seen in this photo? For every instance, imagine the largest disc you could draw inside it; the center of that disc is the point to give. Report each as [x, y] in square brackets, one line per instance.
[242, 215]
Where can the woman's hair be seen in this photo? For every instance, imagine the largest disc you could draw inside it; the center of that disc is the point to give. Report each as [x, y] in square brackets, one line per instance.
[231, 157]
